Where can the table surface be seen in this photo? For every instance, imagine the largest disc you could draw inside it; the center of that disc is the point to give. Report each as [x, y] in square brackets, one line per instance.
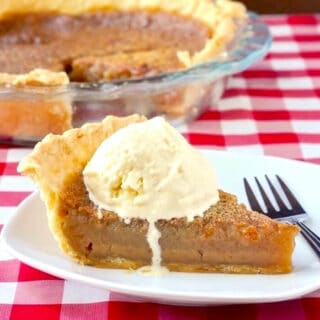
[273, 108]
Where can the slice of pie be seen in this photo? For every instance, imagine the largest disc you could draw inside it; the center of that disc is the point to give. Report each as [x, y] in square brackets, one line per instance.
[227, 238]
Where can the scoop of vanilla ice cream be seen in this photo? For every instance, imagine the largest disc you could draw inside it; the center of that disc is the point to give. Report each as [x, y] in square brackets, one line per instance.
[148, 170]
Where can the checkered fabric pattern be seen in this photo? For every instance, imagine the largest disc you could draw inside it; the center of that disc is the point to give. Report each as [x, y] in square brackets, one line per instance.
[272, 108]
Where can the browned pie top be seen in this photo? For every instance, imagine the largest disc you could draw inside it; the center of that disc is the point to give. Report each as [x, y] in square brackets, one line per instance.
[227, 212]
[98, 46]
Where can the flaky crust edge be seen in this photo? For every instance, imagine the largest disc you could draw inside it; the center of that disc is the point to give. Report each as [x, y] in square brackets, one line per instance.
[57, 158]
[36, 77]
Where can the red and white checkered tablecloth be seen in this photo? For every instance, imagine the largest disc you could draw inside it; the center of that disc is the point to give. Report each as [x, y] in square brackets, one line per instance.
[273, 108]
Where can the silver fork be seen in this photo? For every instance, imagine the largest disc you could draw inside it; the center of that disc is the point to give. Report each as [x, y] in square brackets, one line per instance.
[295, 215]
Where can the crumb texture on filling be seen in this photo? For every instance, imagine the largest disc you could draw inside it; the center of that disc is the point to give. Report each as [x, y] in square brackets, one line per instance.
[98, 46]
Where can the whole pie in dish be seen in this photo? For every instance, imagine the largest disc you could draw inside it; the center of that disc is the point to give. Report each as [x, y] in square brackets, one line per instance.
[102, 41]
[227, 237]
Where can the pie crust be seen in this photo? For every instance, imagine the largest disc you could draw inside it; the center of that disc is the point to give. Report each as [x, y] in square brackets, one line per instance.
[33, 117]
[228, 238]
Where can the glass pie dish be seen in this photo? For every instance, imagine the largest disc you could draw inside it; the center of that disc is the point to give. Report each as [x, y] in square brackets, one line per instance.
[179, 96]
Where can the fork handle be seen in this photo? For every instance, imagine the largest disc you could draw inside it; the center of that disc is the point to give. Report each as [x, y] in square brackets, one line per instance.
[311, 237]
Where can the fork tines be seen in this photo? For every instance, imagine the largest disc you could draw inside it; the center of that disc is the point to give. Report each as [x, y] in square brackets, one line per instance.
[284, 211]
[294, 215]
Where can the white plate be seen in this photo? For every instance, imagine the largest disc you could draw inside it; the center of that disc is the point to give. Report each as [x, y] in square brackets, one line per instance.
[27, 237]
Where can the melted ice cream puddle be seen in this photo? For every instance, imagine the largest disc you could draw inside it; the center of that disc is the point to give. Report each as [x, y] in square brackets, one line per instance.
[149, 171]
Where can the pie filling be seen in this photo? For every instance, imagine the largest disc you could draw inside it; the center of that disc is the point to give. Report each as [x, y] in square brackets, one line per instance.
[98, 46]
[228, 238]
